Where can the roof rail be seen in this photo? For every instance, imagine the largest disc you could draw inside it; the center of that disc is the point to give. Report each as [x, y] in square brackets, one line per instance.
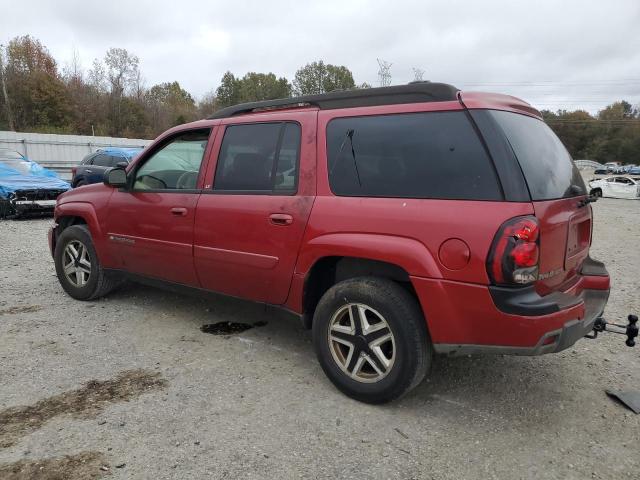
[414, 92]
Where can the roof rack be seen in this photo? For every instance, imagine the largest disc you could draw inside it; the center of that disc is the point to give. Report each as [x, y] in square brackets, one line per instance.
[414, 92]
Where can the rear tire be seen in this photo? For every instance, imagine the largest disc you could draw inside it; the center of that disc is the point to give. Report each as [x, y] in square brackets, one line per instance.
[596, 192]
[381, 365]
[77, 266]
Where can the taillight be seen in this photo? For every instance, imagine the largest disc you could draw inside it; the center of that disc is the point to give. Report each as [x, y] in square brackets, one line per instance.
[513, 258]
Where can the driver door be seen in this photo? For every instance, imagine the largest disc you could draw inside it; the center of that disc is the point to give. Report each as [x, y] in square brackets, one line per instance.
[150, 223]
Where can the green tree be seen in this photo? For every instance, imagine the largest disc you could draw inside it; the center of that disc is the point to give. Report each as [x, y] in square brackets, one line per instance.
[38, 98]
[228, 93]
[263, 86]
[318, 77]
[169, 105]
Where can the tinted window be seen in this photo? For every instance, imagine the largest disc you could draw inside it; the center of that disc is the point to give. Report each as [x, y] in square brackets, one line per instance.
[102, 160]
[175, 165]
[545, 162]
[421, 155]
[259, 157]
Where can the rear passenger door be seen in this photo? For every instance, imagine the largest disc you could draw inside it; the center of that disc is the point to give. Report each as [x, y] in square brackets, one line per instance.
[252, 213]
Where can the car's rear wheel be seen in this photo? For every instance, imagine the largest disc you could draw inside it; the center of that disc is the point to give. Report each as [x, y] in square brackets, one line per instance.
[596, 192]
[371, 339]
[77, 265]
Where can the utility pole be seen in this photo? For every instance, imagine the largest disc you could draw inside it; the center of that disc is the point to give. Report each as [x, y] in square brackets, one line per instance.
[384, 73]
[4, 90]
[418, 75]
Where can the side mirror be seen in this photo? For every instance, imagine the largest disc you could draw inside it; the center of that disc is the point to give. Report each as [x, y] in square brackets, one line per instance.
[116, 177]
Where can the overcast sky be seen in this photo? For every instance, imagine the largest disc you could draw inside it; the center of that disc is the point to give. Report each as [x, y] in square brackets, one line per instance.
[554, 54]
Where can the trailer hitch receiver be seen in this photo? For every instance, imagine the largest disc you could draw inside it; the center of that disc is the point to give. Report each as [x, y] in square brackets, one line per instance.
[630, 329]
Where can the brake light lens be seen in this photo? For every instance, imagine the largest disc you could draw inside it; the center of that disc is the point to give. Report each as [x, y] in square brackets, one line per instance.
[515, 251]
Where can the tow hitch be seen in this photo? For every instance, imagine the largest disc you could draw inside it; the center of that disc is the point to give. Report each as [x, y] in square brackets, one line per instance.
[630, 330]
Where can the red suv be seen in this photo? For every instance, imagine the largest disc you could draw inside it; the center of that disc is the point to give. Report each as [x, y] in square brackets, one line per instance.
[398, 222]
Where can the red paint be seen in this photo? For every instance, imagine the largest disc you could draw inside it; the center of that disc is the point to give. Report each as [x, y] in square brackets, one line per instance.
[262, 247]
[454, 254]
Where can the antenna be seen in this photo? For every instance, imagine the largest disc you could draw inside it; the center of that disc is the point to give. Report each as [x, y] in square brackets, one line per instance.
[384, 73]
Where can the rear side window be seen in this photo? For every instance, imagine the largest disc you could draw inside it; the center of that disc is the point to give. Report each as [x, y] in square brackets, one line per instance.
[102, 160]
[547, 166]
[260, 157]
[417, 155]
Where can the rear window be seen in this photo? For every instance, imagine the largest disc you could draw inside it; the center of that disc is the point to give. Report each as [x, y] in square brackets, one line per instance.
[416, 155]
[547, 166]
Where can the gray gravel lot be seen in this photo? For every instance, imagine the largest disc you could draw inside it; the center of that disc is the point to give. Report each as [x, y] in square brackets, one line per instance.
[257, 405]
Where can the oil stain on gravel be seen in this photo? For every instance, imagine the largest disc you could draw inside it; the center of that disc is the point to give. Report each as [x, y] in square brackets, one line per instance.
[83, 465]
[229, 328]
[88, 401]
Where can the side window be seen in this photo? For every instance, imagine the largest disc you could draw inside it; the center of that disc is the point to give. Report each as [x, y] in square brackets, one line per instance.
[102, 160]
[259, 157]
[413, 155]
[174, 166]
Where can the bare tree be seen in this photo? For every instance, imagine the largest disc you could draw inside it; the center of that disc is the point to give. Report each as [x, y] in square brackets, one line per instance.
[384, 73]
[7, 105]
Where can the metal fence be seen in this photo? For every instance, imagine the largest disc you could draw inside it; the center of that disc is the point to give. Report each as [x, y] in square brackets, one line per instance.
[61, 152]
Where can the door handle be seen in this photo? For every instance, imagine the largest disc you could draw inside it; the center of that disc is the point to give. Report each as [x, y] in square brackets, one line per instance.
[179, 211]
[281, 219]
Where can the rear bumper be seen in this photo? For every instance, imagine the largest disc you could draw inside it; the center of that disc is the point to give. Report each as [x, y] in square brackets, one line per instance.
[468, 318]
[550, 342]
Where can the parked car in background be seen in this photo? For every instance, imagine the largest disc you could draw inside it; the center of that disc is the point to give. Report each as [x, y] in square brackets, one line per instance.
[93, 166]
[601, 171]
[615, 187]
[613, 167]
[26, 187]
[634, 170]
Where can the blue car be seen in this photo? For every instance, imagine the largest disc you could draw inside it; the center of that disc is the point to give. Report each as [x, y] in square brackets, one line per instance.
[93, 166]
[27, 187]
[634, 171]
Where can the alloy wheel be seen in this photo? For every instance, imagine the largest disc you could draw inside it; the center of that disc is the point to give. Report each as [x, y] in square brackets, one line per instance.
[361, 342]
[76, 263]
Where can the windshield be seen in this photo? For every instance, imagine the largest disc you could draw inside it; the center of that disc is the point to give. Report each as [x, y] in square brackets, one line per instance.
[545, 162]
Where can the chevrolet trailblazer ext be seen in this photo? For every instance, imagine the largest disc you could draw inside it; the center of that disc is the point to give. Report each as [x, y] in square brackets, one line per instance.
[398, 222]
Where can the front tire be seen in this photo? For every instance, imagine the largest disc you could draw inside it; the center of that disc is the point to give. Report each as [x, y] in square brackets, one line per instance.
[77, 266]
[371, 339]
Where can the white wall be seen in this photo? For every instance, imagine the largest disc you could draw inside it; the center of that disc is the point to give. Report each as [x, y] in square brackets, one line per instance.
[61, 152]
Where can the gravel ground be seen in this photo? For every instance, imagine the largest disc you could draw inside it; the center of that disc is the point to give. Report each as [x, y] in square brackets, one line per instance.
[129, 387]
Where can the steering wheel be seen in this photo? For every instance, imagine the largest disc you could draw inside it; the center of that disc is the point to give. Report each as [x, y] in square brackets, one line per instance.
[187, 181]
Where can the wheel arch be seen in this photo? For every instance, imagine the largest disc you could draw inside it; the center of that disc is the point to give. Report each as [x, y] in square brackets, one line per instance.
[81, 213]
[329, 270]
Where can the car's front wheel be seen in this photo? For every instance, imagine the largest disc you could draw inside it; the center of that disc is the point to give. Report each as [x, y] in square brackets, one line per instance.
[371, 339]
[77, 265]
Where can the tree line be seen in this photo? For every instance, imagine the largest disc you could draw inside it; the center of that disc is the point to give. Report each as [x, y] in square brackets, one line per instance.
[111, 98]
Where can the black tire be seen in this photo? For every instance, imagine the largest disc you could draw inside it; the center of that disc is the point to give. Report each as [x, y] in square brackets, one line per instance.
[6, 209]
[99, 282]
[412, 348]
[596, 192]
